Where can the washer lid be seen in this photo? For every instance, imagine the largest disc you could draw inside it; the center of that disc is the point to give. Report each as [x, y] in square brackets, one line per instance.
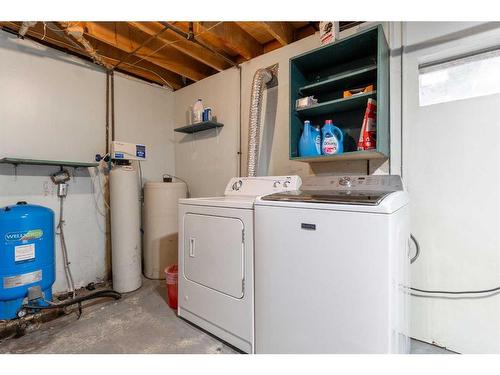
[375, 193]
[370, 198]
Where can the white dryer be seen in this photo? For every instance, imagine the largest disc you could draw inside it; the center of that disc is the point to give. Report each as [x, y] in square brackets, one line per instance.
[331, 267]
[216, 251]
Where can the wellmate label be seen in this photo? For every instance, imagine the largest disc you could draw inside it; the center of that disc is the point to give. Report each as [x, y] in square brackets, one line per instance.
[20, 280]
[24, 252]
[33, 234]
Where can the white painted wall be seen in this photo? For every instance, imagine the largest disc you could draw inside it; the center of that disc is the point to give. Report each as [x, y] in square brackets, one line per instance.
[208, 159]
[52, 106]
[144, 114]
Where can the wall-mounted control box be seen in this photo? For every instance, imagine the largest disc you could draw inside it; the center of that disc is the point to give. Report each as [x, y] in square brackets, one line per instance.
[127, 151]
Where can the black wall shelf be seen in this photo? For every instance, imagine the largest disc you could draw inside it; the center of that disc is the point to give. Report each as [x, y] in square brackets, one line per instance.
[198, 127]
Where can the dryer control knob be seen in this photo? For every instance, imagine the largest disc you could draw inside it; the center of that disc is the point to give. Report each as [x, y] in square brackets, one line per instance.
[276, 184]
[345, 181]
[237, 185]
[286, 183]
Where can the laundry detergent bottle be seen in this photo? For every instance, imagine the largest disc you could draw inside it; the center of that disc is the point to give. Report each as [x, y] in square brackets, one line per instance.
[307, 141]
[333, 139]
[316, 134]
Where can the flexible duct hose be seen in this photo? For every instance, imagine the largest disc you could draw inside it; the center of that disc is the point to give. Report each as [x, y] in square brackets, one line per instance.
[260, 78]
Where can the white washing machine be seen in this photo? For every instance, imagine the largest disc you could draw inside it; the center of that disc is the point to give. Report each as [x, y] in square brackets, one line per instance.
[216, 251]
[331, 267]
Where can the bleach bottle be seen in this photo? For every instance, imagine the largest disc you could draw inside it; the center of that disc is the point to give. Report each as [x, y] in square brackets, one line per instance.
[332, 139]
[307, 141]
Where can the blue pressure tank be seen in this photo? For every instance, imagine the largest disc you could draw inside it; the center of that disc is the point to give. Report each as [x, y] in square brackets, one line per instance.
[27, 256]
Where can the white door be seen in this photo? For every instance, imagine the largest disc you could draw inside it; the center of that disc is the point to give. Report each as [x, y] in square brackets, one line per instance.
[213, 253]
[451, 165]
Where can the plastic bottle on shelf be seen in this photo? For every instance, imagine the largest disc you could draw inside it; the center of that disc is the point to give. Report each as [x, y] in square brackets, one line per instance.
[307, 141]
[316, 134]
[198, 111]
[332, 139]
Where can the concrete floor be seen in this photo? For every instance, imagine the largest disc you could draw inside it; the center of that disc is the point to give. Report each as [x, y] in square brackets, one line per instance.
[141, 322]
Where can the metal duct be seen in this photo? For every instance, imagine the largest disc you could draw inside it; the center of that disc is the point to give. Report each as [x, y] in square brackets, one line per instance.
[260, 79]
[77, 32]
[25, 26]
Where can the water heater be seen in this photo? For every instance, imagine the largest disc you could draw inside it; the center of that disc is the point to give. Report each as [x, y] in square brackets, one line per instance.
[27, 257]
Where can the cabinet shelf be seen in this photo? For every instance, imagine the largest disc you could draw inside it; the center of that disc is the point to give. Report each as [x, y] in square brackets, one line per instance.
[58, 163]
[344, 80]
[198, 127]
[352, 155]
[338, 105]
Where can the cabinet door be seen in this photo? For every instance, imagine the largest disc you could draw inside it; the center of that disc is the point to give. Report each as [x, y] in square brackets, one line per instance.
[213, 253]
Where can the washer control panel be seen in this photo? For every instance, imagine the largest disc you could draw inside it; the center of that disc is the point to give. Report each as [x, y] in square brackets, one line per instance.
[255, 186]
[365, 183]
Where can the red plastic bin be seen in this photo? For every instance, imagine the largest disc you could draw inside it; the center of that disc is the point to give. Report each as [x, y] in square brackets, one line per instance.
[171, 275]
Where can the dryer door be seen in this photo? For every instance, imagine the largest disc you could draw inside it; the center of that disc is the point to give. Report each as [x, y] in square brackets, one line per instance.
[213, 252]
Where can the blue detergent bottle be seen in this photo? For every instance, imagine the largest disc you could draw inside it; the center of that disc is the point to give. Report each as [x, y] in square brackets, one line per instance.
[316, 134]
[333, 139]
[307, 141]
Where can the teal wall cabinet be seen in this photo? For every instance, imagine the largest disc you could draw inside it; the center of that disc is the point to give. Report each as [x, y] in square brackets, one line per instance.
[325, 72]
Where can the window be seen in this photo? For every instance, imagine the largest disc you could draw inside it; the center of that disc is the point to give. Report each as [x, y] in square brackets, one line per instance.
[461, 78]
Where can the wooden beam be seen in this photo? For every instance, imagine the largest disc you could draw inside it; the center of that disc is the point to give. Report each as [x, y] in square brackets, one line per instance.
[283, 32]
[136, 64]
[301, 33]
[181, 44]
[257, 30]
[207, 39]
[126, 38]
[74, 33]
[234, 37]
[110, 54]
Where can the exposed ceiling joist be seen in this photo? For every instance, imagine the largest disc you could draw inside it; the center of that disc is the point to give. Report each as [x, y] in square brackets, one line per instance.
[74, 33]
[283, 32]
[183, 45]
[173, 53]
[127, 39]
[301, 33]
[233, 36]
[110, 55]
